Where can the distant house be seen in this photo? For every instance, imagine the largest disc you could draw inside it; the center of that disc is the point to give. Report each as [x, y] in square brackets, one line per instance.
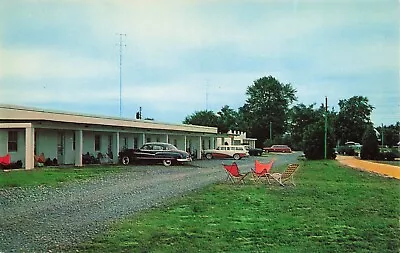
[26, 132]
[236, 138]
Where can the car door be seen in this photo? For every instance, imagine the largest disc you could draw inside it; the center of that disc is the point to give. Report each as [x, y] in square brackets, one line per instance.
[220, 152]
[231, 151]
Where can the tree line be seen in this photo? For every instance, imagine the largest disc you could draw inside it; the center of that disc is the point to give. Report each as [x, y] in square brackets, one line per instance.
[269, 114]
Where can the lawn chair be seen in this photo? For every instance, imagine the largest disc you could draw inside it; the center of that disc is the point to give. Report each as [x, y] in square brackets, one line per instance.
[5, 160]
[261, 170]
[234, 174]
[287, 175]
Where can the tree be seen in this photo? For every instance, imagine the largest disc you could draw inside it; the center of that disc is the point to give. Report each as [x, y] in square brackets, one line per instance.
[202, 118]
[228, 119]
[313, 141]
[300, 117]
[224, 120]
[390, 134]
[267, 103]
[370, 145]
[353, 118]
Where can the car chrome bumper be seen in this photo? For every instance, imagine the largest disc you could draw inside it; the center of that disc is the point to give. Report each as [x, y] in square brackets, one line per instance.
[188, 159]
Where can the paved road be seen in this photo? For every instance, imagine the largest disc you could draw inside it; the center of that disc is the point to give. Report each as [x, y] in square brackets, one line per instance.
[48, 219]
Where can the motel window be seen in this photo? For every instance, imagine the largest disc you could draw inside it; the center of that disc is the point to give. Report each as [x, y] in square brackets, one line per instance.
[135, 142]
[148, 139]
[97, 143]
[175, 142]
[12, 141]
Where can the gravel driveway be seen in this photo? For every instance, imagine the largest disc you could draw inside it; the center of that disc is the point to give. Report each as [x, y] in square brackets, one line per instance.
[44, 219]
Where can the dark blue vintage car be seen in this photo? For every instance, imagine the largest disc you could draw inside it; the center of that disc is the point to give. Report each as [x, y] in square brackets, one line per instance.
[166, 153]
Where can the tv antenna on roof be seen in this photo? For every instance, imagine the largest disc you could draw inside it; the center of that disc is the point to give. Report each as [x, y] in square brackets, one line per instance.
[120, 70]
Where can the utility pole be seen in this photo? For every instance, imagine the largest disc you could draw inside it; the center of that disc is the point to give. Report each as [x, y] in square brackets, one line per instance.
[120, 71]
[270, 131]
[326, 126]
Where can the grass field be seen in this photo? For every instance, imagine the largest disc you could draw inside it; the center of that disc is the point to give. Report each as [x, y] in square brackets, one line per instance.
[51, 176]
[332, 209]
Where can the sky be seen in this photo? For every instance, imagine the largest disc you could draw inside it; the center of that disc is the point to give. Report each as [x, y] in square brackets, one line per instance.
[177, 57]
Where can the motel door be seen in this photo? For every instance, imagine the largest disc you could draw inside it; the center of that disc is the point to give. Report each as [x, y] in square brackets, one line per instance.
[60, 147]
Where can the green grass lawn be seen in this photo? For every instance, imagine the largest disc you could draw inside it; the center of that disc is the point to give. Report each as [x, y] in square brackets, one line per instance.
[332, 209]
[52, 176]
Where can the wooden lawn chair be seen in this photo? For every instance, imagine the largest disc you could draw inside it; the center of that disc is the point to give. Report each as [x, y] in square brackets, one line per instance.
[287, 175]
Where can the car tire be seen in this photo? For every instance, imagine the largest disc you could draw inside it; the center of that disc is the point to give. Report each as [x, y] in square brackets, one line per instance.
[167, 162]
[236, 156]
[209, 156]
[125, 160]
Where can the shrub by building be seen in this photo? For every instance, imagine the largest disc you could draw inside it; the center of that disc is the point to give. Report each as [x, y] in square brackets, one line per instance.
[370, 147]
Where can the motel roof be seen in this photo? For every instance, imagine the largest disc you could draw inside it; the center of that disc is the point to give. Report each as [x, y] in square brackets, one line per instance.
[13, 113]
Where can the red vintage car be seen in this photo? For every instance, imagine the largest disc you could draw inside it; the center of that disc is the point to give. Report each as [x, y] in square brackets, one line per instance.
[278, 148]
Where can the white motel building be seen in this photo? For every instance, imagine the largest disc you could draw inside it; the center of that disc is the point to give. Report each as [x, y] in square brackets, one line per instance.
[26, 132]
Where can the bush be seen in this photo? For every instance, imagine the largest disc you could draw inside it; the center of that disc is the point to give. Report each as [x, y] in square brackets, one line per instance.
[16, 165]
[370, 147]
[314, 142]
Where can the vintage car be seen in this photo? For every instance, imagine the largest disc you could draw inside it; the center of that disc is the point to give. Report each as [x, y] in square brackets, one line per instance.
[278, 148]
[227, 151]
[254, 151]
[156, 152]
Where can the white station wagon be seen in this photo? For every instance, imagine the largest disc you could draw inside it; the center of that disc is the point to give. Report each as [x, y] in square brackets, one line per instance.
[227, 151]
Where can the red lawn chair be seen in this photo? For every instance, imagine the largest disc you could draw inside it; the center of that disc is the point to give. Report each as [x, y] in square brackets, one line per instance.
[5, 160]
[234, 174]
[261, 170]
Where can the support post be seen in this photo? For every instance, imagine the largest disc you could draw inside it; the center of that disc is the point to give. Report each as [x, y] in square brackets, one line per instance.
[115, 147]
[200, 150]
[29, 147]
[270, 131]
[78, 147]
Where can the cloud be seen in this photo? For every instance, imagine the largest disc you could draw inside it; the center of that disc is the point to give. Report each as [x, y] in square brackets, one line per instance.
[45, 92]
[36, 63]
[197, 53]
